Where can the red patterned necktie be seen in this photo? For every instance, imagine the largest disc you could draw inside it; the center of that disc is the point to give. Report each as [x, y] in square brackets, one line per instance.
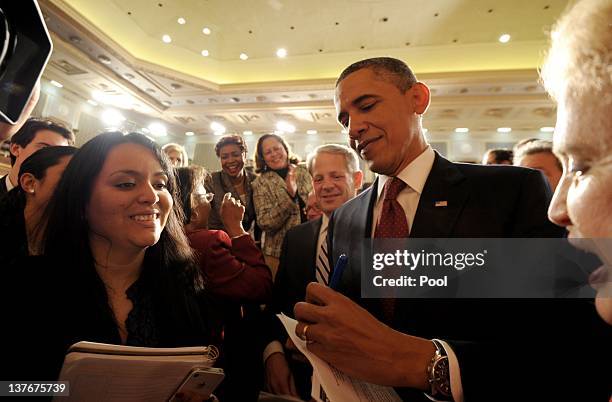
[391, 224]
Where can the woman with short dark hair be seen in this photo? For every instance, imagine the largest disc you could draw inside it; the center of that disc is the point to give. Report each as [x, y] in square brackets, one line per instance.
[233, 178]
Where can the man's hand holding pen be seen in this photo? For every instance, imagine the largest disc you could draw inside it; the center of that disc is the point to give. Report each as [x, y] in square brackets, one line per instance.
[347, 336]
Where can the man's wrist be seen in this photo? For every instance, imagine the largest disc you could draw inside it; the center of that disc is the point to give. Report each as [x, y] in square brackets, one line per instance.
[411, 363]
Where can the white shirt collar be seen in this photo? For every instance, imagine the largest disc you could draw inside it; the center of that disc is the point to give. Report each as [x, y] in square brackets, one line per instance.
[9, 185]
[324, 223]
[415, 174]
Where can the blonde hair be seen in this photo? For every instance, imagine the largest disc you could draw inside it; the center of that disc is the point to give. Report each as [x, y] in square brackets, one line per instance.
[579, 62]
[171, 146]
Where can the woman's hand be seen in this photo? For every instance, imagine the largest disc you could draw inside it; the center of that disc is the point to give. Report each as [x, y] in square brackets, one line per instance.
[291, 182]
[232, 212]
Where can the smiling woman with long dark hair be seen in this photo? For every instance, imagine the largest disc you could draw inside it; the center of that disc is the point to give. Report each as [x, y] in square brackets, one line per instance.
[117, 266]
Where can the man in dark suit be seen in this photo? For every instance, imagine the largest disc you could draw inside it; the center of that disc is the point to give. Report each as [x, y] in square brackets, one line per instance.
[336, 178]
[32, 136]
[380, 103]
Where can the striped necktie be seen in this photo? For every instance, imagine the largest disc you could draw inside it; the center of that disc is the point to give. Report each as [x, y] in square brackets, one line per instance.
[322, 273]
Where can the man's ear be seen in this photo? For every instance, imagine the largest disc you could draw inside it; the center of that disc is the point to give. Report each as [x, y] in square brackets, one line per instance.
[421, 97]
[28, 182]
[358, 179]
[14, 149]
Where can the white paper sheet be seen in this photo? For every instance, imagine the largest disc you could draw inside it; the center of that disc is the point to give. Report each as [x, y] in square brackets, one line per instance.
[338, 386]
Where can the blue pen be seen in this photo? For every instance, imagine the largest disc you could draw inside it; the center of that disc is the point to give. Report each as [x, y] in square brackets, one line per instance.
[338, 270]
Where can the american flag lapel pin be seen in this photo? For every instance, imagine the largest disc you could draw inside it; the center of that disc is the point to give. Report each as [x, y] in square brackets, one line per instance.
[441, 204]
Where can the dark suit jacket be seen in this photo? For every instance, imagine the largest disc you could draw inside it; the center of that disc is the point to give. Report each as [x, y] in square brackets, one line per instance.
[3, 189]
[297, 266]
[498, 342]
[296, 269]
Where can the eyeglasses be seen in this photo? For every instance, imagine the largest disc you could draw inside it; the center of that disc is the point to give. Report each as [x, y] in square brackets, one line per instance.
[208, 197]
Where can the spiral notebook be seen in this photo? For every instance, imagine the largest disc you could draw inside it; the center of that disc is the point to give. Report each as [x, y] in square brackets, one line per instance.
[104, 372]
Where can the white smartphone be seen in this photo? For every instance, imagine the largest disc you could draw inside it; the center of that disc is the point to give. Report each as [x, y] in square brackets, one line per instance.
[200, 383]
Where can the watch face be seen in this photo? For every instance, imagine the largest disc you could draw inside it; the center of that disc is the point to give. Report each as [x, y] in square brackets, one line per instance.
[441, 377]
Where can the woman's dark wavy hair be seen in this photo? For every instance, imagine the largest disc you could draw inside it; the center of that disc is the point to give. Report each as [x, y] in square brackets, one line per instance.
[169, 266]
[260, 163]
[188, 179]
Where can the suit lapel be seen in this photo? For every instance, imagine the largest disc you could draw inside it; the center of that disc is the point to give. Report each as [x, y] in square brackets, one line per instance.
[444, 196]
[314, 228]
[369, 200]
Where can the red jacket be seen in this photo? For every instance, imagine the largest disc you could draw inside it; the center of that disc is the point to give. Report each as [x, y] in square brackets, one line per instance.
[234, 269]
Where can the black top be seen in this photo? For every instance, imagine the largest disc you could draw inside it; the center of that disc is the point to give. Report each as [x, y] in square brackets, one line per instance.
[13, 239]
[46, 309]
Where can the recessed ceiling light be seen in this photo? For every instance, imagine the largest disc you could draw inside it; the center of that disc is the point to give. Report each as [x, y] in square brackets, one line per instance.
[57, 84]
[158, 129]
[92, 102]
[504, 129]
[462, 130]
[181, 21]
[547, 129]
[247, 132]
[189, 133]
[206, 31]
[285, 127]
[281, 53]
[112, 117]
[166, 38]
[217, 128]
[205, 53]
[505, 38]
[104, 59]
[243, 56]
[311, 131]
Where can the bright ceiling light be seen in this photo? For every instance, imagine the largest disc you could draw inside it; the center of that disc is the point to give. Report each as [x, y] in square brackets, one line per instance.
[100, 96]
[181, 21]
[166, 38]
[206, 31]
[217, 128]
[57, 84]
[462, 130]
[112, 118]
[189, 133]
[547, 129]
[311, 131]
[285, 127]
[92, 102]
[282, 53]
[205, 53]
[247, 132]
[243, 56]
[158, 129]
[504, 129]
[505, 38]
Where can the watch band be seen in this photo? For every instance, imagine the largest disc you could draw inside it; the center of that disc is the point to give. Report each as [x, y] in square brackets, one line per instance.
[438, 373]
